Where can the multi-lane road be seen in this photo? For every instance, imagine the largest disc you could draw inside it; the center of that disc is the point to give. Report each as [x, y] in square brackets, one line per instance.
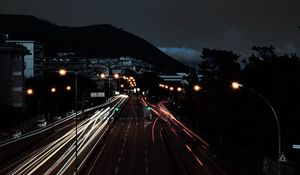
[129, 141]
[57, 154]
[139, 144]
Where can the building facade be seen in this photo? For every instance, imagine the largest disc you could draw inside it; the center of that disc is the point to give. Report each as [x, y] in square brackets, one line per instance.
[12, 77]
[33, 61]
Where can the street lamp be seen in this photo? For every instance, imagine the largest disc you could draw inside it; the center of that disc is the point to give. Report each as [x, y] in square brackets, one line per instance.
[197, 88]
[52, 90]
[236, 85]
[179, 89]
[29, 91]
[63, 72]
[68, 88]
[102, 76]
[117, 77]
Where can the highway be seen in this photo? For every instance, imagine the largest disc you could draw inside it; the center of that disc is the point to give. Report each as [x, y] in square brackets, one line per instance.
[138, 144]
[57, 155]
[125, 138]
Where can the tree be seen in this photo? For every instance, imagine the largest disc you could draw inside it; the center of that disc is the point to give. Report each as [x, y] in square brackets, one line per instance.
[219, 65]
[277, 78]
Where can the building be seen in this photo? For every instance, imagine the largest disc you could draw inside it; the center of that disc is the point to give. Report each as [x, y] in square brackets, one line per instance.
[33, 62]
[179, 79]
[93, 66]
[12, 74]
[66, 61]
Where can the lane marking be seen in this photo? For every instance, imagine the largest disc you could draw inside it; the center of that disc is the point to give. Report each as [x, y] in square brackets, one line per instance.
[147, 171]
[116, 170]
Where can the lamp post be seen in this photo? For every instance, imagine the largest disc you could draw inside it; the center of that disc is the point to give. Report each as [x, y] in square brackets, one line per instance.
[117, 77]
[102, 77]
[236, 85]
[63, 72]
[68, 88]
[29, 91]
[52, 90]
[197, 88]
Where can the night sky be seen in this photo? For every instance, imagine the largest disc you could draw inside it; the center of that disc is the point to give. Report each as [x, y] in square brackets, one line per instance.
[181, 28]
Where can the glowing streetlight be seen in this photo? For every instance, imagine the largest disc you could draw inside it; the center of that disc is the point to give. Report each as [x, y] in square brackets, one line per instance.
[116, 76]
[122, 85]
[53, 90]
[29, 91]
[236, 85]
[197, 88]
[166, 87]
[171, 88]
[102, 76]
[68, 88]
[179, 89]
[62, 72]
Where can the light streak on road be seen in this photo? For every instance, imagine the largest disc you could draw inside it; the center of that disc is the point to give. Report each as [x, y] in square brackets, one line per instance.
[153, 127]
[175, 125]
[190, 133]
[58, 156]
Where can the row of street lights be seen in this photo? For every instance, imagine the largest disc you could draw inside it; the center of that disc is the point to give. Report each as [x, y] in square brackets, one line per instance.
[52, 90]
[196, 88]
[171, 88]
[102, 76]
[63, 72]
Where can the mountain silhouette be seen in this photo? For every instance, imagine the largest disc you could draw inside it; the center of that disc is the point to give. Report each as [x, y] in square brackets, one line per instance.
[100, 41]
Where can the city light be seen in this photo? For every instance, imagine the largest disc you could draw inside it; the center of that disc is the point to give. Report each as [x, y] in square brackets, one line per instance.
[197, 88]
[29, 91]
[179, 89]
[62, 72]
[116, 76]
[53, 90]
[235, 85]
[102, 76]
[171, 88]
[68, 88]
